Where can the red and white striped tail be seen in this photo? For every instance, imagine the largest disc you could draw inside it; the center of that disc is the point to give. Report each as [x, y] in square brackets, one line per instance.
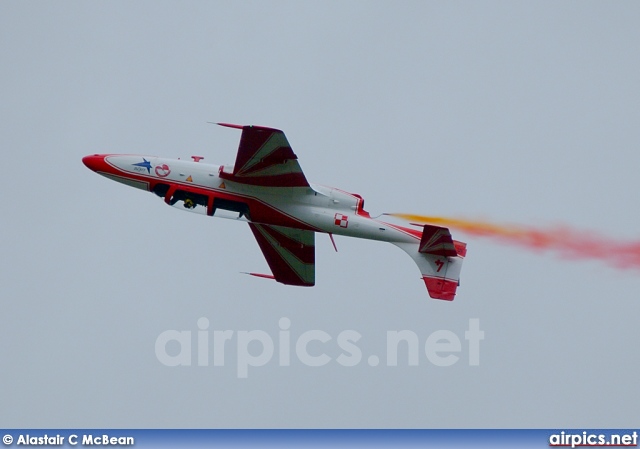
[440, 265]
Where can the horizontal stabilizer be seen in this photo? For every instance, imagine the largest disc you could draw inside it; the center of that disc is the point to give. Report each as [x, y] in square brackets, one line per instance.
[437, 241]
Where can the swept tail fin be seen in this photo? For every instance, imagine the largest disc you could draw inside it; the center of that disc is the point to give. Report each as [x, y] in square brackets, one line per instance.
[439, 259]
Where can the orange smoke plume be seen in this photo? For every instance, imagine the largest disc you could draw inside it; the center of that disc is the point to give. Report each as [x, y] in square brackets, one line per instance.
[567, 242]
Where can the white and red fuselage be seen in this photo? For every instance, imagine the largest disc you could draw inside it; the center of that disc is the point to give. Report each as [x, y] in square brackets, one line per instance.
[270, 192]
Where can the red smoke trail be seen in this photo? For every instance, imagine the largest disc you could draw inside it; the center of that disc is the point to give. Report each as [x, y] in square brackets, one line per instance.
[568, 242]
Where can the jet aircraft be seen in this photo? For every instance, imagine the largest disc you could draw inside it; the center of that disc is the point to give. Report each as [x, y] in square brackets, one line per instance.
[267, 189]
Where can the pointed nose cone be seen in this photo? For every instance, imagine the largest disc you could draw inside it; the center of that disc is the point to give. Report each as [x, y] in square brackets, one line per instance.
[94, 161]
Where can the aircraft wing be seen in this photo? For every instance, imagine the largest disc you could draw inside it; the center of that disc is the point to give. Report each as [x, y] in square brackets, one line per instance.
[290, 253]
[265, 158]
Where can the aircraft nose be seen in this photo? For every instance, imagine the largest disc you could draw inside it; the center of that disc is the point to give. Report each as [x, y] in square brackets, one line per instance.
[93, 161]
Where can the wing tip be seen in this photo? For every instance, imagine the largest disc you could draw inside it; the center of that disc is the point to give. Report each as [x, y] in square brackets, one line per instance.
[243, 127]
[260, 275]
[230, 125]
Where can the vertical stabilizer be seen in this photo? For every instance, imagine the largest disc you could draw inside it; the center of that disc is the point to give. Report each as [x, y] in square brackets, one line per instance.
[441, 267]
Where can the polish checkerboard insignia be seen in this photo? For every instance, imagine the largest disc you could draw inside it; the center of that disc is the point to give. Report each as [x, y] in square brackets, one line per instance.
[341, 220]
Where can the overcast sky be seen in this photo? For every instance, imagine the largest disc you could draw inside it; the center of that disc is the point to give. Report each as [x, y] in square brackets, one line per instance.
[520, 112]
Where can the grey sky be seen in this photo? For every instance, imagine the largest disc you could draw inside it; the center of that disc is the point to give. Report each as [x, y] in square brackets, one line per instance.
[523, 112]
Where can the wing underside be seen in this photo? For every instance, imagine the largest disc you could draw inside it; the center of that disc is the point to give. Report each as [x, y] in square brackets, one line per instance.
[290, 253]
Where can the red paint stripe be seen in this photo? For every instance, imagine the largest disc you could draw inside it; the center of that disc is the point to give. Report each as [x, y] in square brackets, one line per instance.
[409, 231]
[440, 288]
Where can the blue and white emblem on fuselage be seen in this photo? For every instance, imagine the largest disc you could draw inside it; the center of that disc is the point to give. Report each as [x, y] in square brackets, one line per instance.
[145, 164]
